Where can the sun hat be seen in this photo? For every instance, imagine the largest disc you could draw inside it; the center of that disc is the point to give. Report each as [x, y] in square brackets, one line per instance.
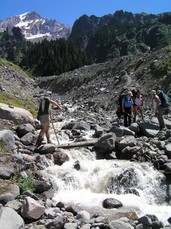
[129, 93]
[153, 92]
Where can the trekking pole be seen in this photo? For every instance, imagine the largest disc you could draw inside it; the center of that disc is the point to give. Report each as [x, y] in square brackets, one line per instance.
[54, 129]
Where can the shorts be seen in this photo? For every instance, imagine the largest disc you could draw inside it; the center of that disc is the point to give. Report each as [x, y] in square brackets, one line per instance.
[44, 120]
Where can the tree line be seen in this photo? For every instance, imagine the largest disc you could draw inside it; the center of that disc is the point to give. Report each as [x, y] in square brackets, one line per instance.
[42, 58]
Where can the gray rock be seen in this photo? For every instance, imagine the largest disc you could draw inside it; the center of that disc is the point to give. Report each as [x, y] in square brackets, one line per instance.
[60, 158]
[14, 204]
[28, 139]
[16, 114]
[24, 129]
[58, 222]
[106, 143]
[167, 167]
[41, 186]
[112, 203]
[83, 216]
[31, 209]
[120, 225]
[9, 219]
[117, 129]
[168, 150]
[127, 141]
[128, 152]
[46, 148]
[6, 197]
[149, 129]
[70, 226]
[7, 137]
[82, 125]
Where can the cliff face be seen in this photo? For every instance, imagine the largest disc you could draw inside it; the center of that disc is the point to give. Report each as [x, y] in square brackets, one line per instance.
[120, 34]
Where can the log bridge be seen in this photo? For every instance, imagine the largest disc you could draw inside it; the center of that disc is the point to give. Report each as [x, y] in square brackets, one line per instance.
[77, 144]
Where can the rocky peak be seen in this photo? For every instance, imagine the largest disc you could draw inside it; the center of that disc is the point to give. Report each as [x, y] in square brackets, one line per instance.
[30, 16]
[33, 26]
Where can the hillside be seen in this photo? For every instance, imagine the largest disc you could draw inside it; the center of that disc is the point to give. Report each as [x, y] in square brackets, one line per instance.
[17, 89]
[98, 85]
[92, 40]
[120, 34]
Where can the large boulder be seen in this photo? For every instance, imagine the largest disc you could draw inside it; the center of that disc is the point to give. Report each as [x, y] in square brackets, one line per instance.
[106, 143]
[149, 129]
[32, 209]
[168, 150]
[24, 129]
[10, 219]
[7, 137]
[16, 114]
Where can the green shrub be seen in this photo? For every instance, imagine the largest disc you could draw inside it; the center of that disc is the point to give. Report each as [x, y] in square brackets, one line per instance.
[3, 149]
[25, 184]
[17, 102]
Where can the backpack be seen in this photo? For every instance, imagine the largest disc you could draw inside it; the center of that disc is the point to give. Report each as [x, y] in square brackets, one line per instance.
[119, 103]
[165, 100]
[43, 109]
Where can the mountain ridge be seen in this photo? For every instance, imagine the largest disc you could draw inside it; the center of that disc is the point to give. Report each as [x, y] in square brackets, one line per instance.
[34, 26]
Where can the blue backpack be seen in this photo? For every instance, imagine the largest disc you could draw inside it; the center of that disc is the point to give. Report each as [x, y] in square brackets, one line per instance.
[165, 100]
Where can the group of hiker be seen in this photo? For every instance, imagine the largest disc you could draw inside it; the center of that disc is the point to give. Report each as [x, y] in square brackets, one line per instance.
[132, 102]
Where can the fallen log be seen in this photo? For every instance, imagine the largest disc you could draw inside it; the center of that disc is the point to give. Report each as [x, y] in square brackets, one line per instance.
[77, 144]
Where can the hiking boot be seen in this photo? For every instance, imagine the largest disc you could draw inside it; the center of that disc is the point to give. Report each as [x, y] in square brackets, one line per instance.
[39, 141]
[49, 141]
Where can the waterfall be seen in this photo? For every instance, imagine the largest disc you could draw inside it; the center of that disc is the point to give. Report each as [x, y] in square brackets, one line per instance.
[139, 186]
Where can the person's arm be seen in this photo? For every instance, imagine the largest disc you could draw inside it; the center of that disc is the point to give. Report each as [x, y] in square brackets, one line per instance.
[123, 101]
[55, 104]
[157, 104]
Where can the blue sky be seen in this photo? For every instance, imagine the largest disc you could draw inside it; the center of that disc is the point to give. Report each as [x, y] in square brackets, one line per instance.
[67, 11]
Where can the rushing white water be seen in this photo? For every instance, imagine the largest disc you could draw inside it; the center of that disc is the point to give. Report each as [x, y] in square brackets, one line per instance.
[97, 180]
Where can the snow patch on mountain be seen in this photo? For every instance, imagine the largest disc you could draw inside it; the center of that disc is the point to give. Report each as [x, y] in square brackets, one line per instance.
[33, 26]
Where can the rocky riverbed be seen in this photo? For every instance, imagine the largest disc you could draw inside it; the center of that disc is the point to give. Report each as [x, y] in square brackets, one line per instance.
[27, 196]
[88, 96]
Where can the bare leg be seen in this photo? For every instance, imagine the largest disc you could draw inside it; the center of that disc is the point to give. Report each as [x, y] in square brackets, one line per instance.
[48, 134]
[135, 113]
[41, 136]
[141, 114]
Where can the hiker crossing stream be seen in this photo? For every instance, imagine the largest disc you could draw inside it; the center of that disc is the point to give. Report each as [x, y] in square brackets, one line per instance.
[138, 186]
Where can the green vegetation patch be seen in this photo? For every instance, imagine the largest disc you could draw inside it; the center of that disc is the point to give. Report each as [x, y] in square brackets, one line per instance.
[18, 102]
[3, 149]
[4, 186]
[25, 184]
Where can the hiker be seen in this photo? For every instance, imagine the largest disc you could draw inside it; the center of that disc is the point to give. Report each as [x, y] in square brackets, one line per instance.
[159, 109]
[44, 118]
[119, 103]
[138, 105]
[127, 107]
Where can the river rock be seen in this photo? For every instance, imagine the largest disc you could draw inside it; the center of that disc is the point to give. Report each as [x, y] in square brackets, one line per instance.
[127, 141]
[168, 150]
[60, 158]
[16, 114]
[149, 129]
[120, 224]
[31, 209]
[112, 203]
[7, 137]
[24, 129]
[106, 143]
[9, 219]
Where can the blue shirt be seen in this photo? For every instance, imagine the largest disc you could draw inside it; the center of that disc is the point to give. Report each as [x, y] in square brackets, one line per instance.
[127, 101]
